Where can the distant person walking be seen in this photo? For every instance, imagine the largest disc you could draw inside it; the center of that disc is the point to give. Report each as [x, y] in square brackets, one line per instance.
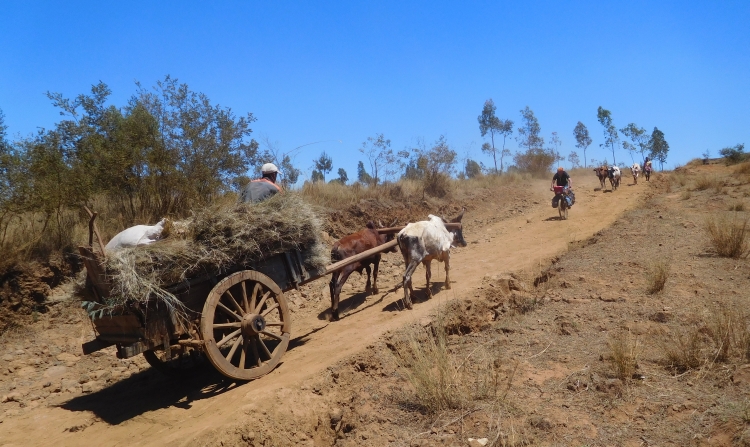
[262, 188]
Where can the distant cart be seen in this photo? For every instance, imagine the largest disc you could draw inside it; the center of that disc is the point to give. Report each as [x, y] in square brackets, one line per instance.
[239, 318]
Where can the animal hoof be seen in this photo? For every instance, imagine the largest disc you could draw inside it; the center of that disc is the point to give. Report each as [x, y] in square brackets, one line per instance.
[447, 285]
[335, 316]
[375, 290]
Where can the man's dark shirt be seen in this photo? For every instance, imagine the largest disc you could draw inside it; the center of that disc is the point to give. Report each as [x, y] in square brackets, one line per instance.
[562, 178]
[258, 190]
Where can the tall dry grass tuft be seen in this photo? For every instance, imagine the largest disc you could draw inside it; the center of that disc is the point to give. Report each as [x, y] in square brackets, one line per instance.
[743, 168]
[442, 380]
[705, 182]
[683, 351]
[657, 276]
[729, 238]
[720, 328]
[624, 350]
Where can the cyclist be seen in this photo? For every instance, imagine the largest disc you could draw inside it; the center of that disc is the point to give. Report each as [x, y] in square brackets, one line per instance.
[561, 178]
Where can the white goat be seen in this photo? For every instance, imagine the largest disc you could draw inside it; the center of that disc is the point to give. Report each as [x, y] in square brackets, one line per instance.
[137, 235]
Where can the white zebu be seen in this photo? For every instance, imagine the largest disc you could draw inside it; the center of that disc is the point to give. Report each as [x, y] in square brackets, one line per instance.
[137, 235]
[424, 241]
[636, 171]
[614, 177]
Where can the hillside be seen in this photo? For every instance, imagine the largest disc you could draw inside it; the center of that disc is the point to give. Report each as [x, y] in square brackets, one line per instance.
[547, 340]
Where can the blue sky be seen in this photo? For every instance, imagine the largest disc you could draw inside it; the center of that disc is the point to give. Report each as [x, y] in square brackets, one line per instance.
[322, 71]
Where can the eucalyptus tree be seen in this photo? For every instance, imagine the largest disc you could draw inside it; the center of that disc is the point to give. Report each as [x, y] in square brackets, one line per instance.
[583, 140]
[382, 159]
[490, 123]
[611, 137]
[323, 164]
[658, 147]
[639, 138]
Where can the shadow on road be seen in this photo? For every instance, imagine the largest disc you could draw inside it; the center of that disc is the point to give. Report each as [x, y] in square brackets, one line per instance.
[150, 390]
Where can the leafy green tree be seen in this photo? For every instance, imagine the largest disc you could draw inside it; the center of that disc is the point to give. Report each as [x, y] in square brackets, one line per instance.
[583, 140]
[610, 131]
[659, 147]
[639, 138]
[472, 169]
[362, 175]
[323, 164]
[490, 123]
[290, 172]
[535, 159]
[343, 176]
[733, 155]
[208, 143]
[528, 134]
[317, 176]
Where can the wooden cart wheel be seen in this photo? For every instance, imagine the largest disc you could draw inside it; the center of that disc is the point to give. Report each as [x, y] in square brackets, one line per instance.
[245, 325]
[180, 364]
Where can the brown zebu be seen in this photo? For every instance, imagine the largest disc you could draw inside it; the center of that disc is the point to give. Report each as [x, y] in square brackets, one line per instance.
[352, 245]
[603, 173]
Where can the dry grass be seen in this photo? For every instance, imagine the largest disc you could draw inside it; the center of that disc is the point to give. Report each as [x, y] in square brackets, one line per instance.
[684, 350]
[743, 168]
[705, 182]
[217, 238]
[739, 206]
[444, 380]
[729, 238]
[624, 350]
[657, 276]
[686, 195]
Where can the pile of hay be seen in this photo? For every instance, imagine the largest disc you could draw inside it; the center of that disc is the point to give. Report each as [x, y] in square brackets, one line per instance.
[217, 239]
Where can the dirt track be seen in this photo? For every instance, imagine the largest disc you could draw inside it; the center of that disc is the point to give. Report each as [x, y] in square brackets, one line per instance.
[132, 412]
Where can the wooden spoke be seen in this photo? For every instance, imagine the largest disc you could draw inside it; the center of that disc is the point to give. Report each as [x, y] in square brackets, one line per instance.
[270, 309]
[234, 349]
[228, 337]
[262, 301]
[244, 297]
[228, 311]
[271, 334]
[221, 325]
[254, 344]
[234, 302]
[256, 289]
[265, 348]
[227, 325]
[242, 354]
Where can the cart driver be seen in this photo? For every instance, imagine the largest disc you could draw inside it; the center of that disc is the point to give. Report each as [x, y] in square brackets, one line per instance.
[262, 188]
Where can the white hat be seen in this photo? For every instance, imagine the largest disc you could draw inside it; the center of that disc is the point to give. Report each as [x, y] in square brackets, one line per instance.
[269, 168]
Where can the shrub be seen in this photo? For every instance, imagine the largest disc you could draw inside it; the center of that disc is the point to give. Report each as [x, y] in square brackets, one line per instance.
[705, 182]
[734, 155]
[442, 380]
[683, 351]
[624, 350]
[728, 237]
[656, 276]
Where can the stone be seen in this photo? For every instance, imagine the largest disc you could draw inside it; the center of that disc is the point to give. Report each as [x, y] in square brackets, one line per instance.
[55, 372]
[12, 397]
[26, 371]
[89, 387]
[66, 357]
[9, 357]
[84, 378]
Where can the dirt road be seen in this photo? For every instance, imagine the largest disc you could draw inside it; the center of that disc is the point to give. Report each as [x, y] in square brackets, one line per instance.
[162, 412]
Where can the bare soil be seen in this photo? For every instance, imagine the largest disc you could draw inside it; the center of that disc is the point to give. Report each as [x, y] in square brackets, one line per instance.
[577, 284]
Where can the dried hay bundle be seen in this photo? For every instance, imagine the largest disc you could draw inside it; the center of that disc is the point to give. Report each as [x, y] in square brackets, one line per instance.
[216, 239]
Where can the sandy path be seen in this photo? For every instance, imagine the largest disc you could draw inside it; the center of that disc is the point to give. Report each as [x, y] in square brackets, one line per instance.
[519, 243]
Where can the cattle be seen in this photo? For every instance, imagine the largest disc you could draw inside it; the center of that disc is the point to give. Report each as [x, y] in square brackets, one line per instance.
[349, 246]
[635, 170]
[137, 235]
[601, 172]
[614, 177]
[423, 242]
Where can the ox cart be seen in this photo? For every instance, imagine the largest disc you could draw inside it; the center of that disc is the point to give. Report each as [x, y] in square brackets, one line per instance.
[239, 319]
